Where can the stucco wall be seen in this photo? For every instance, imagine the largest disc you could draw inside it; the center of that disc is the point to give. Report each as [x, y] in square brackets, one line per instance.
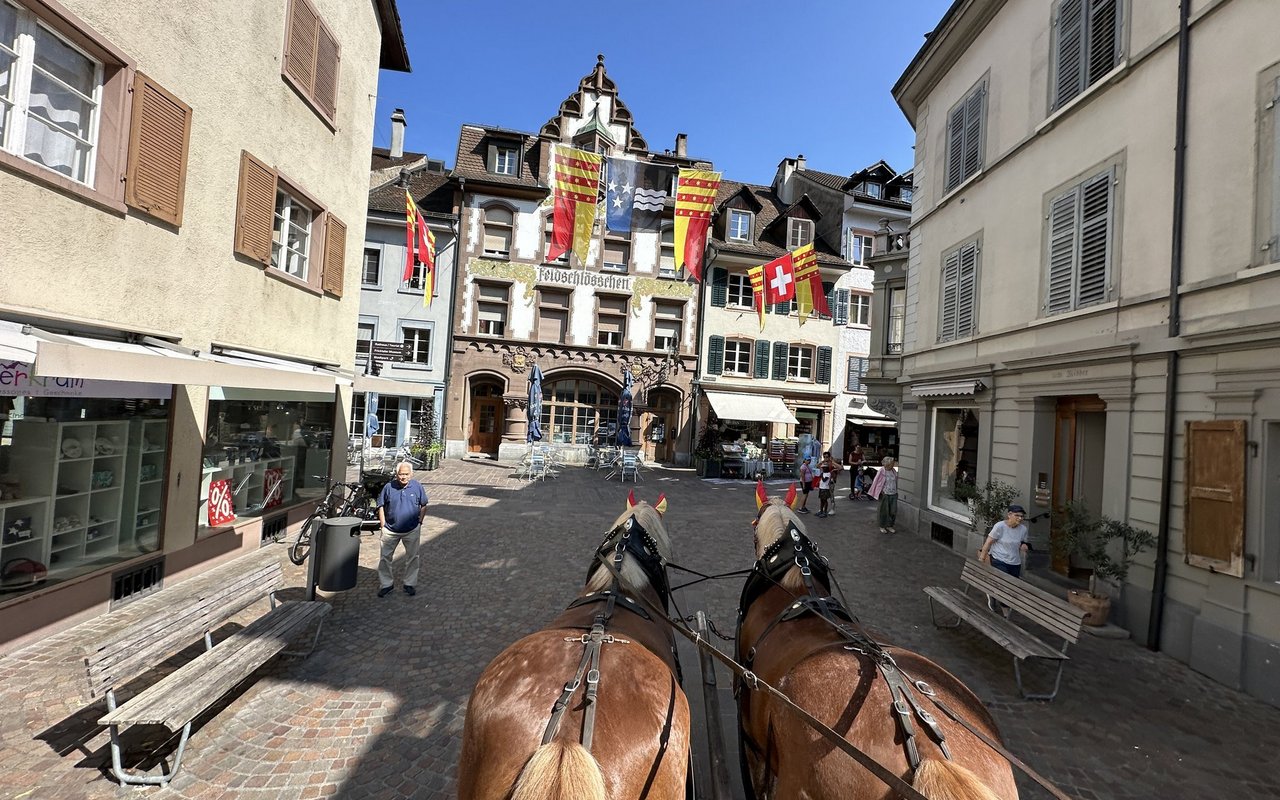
[224, 61]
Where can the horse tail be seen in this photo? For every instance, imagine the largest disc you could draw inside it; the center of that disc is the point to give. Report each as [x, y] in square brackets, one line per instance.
[560, 771]
[937, 779]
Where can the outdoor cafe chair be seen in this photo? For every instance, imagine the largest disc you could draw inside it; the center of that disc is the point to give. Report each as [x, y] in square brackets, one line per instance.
[630, 466]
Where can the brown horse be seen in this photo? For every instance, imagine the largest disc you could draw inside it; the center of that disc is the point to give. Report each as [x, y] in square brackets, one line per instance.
[529, 737]
[794, 635]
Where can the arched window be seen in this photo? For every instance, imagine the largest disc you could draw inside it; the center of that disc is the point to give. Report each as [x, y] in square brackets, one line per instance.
[573, 411]
[499, 224]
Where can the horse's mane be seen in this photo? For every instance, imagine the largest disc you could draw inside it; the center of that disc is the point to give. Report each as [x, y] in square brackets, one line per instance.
[772, 526]
[633, 575]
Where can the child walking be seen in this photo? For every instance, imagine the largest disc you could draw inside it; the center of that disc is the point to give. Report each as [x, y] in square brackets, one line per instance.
[825, 480]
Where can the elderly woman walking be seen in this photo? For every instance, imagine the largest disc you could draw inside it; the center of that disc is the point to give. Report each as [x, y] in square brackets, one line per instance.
[885, 489]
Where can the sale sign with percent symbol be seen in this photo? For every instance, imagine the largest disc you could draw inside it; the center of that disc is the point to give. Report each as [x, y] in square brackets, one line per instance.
[272, 487]
[221, 505]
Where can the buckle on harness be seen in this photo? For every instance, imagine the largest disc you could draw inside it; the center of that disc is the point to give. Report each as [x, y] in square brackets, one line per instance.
[593, 678]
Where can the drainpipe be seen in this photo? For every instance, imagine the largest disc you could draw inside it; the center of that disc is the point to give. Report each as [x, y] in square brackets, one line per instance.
[453, 306]
[1156, 617]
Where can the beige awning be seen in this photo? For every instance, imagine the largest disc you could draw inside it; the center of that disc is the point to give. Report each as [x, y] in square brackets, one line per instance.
[750, 407]
[957, 388]
[67, 356]
[391, 386]
[869, 418]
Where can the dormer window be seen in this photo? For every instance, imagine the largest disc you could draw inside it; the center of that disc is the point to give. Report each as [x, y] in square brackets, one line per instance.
[739, 226]
[799, 233]
[875, 190]
[904, 195]
[504, 158]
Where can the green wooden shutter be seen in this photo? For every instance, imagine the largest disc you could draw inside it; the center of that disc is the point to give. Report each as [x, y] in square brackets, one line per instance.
[715, 356]
[824, 365]
[828, 290]
[719, 287]
[779, 361]
[840, 308]
[762, 358]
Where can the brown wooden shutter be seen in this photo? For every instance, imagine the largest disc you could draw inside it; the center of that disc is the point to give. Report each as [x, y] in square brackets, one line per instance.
[328, 57]
[300, 44]
[159, 136]
[255, 209]
[1214, 527]
[335, 253]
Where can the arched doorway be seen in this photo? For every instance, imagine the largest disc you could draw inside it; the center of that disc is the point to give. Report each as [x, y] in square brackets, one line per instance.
[659, 424]
[486, 418]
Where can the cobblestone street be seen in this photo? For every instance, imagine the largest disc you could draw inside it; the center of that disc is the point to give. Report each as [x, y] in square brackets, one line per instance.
[376, 711]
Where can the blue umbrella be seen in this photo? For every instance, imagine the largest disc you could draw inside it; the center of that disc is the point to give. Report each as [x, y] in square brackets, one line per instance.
[535, 405]
[623, 437]
[371, 415]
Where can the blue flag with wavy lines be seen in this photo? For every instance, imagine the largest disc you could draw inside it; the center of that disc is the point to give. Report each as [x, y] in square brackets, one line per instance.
[635, 194]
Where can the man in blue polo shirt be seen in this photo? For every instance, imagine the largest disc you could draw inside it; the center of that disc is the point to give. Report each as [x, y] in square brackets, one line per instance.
[401, 507]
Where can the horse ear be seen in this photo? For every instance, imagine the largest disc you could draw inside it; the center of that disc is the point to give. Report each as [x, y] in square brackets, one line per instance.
[791, 497]
[661, 505]
[631, 499]
[762, 496]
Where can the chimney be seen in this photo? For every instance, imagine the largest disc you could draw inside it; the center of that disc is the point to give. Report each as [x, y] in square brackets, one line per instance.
[800, 161]
[682, 145]
[397, 133]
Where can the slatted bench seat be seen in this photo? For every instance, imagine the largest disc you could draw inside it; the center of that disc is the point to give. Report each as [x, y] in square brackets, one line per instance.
[177, 699]
[1039, 607]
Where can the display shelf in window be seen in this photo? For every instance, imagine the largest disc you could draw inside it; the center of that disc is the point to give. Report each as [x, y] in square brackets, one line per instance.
[144, 484]
[24, 529]
[250, 481]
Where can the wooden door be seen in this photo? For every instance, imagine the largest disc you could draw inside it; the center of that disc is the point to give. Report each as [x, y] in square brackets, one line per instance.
[1068, 461]
[486, 425]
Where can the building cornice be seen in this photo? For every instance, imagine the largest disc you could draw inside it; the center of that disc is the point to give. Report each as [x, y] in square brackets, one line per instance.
[943, 46]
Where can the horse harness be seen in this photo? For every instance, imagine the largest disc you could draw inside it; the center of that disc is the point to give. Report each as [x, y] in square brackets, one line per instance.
[645, 550]
[769, 570]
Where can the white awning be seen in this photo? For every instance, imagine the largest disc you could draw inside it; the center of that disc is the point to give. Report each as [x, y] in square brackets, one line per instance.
[66, 356]
[958, 388]
[750, 407]
[869, 418]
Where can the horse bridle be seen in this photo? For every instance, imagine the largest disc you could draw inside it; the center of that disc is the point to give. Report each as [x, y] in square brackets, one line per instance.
[633, 540]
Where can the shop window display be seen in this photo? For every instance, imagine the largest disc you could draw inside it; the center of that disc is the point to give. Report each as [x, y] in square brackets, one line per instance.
[955, 454]
[262, 456]
[81, 477]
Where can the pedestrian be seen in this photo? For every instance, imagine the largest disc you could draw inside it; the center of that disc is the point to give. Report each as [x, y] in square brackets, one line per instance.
[806, 485]
[885, 489]
[831, 468]
[855, 467]
[401, 507]
[825, 480]
[1004, 549]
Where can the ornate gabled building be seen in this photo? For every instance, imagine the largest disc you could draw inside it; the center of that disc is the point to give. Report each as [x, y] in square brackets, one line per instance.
[770, 388]
[627, 308]
[863, 211]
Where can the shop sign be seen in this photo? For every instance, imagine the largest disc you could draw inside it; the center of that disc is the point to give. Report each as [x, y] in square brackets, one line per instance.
[577, 277]
[18, 379]
[221, 507]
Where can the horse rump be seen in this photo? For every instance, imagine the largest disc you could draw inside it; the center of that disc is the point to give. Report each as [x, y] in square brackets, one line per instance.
[560, 771]
[938, 779]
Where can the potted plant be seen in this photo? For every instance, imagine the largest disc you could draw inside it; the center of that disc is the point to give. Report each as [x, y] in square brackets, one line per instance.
[434, 452]
[1109, 545]
[987, 505]
[707, 453]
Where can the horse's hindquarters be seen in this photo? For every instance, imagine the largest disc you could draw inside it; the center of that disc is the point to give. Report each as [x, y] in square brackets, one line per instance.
[641, 729]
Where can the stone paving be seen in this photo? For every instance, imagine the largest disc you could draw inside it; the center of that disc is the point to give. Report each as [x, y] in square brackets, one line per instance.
[376, 711]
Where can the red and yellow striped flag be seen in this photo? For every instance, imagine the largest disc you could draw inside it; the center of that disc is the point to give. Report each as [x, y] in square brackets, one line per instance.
[809, 293]
[756, 276]
[420, 249]
[576, 188]
[695, 200]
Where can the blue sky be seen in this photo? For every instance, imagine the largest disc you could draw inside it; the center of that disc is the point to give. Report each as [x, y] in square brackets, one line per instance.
[750, 82]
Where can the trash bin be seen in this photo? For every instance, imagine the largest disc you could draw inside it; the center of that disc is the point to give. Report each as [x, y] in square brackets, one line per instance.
[337, 553]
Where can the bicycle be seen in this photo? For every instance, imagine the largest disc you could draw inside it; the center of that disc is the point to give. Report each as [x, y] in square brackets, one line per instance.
[334, 502]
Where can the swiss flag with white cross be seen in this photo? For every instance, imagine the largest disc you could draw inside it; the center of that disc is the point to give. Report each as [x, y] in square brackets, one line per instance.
[779, 280]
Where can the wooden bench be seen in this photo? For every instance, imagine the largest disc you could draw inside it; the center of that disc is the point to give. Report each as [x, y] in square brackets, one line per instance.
[1048, 612]
[177, 699]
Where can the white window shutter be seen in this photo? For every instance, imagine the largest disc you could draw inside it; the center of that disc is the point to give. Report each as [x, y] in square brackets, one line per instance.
[841, 308]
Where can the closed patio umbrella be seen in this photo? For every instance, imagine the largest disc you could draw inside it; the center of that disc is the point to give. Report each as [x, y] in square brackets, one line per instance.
[535, 405]
[623, 437]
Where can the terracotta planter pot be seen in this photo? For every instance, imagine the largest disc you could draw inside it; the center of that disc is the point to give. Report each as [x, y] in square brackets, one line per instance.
[1097, 606]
